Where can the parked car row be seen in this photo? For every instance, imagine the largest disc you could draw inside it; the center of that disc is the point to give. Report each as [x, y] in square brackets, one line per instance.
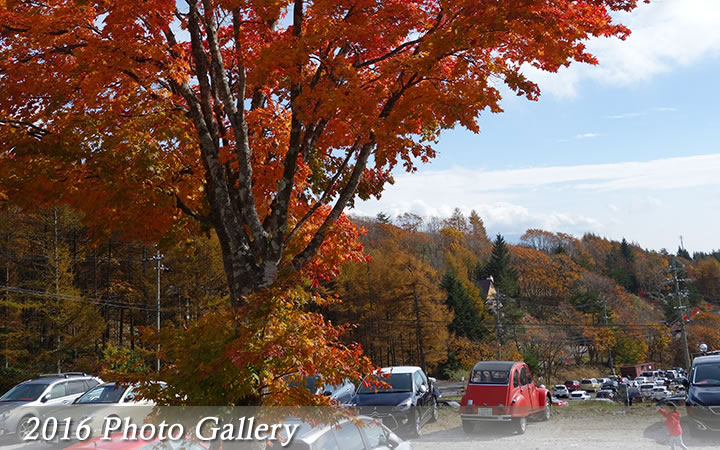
[25, 401]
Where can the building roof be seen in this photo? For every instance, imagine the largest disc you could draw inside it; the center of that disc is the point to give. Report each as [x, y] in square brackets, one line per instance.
[484, 286]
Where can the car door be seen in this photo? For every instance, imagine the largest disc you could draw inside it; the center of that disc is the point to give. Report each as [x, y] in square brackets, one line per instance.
[376, 436]
[420, 394]
[348, 437]
[528, 389]
[75, 388]
[58, 394]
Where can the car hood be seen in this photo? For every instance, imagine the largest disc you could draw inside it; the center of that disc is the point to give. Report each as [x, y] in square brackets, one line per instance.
[384, 399]
[7, 406]
[706, 396]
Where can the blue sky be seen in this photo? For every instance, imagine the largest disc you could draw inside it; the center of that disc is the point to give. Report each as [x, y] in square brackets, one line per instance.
[628, 148]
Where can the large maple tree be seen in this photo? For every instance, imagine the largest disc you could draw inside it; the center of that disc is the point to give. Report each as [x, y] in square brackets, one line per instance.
[264, 119]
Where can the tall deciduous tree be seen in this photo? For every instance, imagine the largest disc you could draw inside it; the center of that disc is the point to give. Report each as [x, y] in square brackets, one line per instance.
[263, 119]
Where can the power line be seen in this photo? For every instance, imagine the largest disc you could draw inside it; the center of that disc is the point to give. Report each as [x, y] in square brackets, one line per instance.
[74, 298]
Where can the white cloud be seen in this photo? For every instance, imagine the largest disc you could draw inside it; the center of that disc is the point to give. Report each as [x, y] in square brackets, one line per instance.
[587, 135]
[668, 173]
[617, 199]
[665, 34]
[626, 115]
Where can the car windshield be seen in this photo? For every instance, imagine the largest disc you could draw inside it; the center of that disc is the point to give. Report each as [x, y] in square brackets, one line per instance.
[560, 386]
[578, 394]
[399, 382]
[105, 393]
[707, 375]
[484, 376]
[26, 392]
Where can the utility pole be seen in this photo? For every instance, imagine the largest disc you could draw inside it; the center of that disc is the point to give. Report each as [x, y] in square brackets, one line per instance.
[158, 267]
[681, 309]
[496, 305]
[610, 355]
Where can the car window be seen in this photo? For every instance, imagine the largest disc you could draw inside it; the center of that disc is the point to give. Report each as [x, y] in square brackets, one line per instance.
[399, 382]
[91, 383]
[26, 392]
[326, 442]
[75, 387]
[349, 438]
[418, 380]
[375, 434]
[107, 393]
[528, 375]
[486, 376]
[59, 390]
[523, 376]
[516, 379]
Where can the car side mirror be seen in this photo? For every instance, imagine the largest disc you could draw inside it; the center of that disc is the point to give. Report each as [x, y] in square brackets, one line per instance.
[129, 397]
[423, 389]
[45, 398]
[392, 441]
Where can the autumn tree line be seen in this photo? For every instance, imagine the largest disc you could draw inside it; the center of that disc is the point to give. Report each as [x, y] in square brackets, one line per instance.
[74, 301]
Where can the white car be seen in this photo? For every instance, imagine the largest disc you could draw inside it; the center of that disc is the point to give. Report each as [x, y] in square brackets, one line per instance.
[641, 380]
[660, 393]
[579, 396]
[561, 391]
[24, 401]
[659, 381]
[646, 390]
[112, 393]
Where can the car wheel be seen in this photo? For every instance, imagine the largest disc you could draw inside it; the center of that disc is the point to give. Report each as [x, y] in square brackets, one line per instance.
[416, 425]
[435, 413]
[23, 428]
[520, 424]
[468, 426]
[547, 411]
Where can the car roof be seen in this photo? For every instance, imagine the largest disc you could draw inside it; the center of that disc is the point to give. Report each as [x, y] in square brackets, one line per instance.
[400, 369]
[706, 359]
[314, 432]
[495, 365]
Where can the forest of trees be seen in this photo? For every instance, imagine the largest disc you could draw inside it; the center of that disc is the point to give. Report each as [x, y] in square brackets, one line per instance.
[74, 301]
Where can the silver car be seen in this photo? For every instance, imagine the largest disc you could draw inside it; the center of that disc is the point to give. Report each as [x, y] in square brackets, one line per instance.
[24, 401]
[371, 434]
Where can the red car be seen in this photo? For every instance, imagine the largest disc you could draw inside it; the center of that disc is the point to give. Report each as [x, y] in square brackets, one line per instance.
[572, 385]
[117, 442]
[503, 391]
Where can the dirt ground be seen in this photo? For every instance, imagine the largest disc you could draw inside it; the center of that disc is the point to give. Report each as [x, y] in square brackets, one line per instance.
[582, 426]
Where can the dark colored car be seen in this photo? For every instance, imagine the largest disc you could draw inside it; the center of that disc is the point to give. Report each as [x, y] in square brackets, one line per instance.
[405, 405]
[703, 393]
[610, 385]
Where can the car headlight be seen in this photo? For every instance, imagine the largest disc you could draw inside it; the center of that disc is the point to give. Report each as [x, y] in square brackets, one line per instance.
[405, 405]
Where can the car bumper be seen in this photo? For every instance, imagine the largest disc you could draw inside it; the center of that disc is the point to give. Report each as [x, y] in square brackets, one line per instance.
[395, 420]
[477, 418]
[705, 418]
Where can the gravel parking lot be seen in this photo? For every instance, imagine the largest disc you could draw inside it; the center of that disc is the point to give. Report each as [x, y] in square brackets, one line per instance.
[577, 426]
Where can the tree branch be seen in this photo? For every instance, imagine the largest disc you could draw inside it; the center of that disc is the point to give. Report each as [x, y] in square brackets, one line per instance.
[187, 210]
[323, 198]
